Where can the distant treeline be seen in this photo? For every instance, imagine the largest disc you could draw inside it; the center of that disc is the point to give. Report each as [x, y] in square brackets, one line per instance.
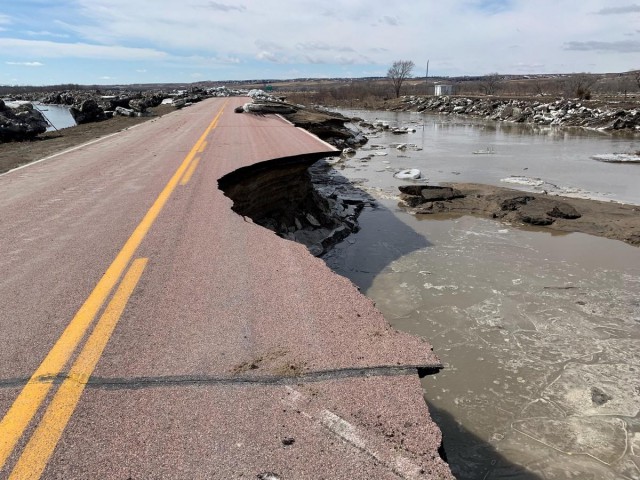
[13, 90]
[16, 90]
[577, 85]
[344, 90]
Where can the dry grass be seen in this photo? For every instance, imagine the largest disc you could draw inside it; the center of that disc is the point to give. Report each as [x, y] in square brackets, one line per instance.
[14, 154]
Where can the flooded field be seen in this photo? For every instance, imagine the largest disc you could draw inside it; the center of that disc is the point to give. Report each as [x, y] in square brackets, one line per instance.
[539, 333]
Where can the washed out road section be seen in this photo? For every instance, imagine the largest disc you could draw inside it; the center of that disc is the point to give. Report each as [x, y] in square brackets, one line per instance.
[227, 322]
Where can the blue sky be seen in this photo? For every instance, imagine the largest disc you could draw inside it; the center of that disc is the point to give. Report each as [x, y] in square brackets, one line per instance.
[144, 41]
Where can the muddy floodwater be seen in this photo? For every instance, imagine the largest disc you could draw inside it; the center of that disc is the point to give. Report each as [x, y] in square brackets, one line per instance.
[536, 158]
[539, 333]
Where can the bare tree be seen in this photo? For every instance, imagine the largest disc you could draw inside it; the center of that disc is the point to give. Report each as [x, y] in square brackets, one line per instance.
[636, 76]
[490, 83]
[579, 85]
[398, 73]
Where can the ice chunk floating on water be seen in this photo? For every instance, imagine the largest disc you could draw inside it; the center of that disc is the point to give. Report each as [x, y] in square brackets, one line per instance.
[617, 158]
[532, 182]
[410, 174]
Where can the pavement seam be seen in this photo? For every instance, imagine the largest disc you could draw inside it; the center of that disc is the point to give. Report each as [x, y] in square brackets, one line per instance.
[133, 383]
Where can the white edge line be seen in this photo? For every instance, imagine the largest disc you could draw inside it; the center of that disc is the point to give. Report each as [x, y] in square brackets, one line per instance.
[310, 134]
[72, 149]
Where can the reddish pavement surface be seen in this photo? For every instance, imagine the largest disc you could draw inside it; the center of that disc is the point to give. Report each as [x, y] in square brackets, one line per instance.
[237, 354]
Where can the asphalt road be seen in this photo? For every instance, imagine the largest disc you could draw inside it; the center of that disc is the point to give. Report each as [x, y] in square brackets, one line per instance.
[148, 331]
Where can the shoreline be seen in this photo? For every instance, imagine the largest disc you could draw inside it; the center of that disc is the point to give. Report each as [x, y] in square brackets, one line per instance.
[617, 221]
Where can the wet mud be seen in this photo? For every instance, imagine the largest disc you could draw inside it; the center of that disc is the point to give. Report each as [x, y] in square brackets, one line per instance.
[604, 219]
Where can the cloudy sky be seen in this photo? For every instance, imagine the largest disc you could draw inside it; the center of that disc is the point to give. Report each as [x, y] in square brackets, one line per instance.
[138, 41]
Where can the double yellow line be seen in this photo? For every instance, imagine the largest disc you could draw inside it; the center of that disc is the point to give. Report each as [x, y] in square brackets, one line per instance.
[47, 433]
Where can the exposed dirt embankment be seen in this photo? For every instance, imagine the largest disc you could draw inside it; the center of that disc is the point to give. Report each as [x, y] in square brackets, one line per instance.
[328, 126]
[298, 199]
[604, 219]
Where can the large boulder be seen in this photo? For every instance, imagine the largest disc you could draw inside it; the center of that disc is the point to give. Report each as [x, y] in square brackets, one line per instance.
[145, 102]
[125, 112]
[22, 123]
[433, 193]
[88, 111]
[537, 210]
[113, 102]
[428, 193]
[563, 210]
[138, 104]
[59, 98]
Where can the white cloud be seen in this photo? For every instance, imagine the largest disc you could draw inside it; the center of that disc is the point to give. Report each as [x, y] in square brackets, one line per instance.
[527, 67]
[622, 46]
[44, 48]
[26, 64]
[271, 57]
[222, 60]
[619, 10]
[46, 33]
[390, 20]
[223, 7]
[233, 36]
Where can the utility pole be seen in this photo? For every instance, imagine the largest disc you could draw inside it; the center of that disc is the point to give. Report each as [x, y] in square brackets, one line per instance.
[426, 80]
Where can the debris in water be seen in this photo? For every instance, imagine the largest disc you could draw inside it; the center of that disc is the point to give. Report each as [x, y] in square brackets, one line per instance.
[409, 174]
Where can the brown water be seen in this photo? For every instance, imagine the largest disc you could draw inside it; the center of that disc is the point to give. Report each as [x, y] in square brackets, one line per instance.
[522, 156]
[539, 332]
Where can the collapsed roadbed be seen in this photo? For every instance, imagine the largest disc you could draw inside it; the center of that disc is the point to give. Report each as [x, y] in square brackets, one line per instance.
[379, 409]
[252, 358]
[300, 198]
[351, 373]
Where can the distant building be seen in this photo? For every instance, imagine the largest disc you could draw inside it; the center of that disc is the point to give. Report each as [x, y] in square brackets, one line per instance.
[442, 89]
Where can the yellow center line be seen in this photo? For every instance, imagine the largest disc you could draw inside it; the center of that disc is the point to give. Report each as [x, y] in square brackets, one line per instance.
[36, 454]
[202, 147]
[21, 412]
[189, 173]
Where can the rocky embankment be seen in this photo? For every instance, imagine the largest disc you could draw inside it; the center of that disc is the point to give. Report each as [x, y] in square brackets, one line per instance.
[94, 106]
[562, 112]
[21, 123]
[604, 219]
[88, 106]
